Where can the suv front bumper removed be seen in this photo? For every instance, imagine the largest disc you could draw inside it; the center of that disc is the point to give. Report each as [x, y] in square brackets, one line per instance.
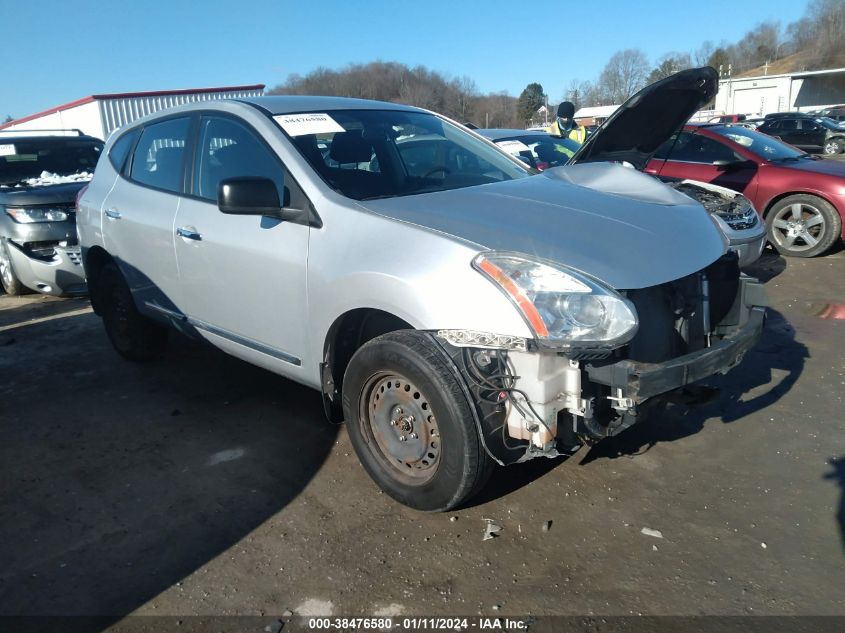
[635, 382]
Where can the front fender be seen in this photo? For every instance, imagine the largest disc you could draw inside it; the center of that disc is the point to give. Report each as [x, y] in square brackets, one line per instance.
[427, 281]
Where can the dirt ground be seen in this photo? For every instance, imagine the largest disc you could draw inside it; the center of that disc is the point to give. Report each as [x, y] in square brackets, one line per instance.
[202, 485]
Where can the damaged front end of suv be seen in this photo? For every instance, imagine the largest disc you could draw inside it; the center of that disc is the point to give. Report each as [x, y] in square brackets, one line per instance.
[40, 177]
[602, 358]
[609, 348]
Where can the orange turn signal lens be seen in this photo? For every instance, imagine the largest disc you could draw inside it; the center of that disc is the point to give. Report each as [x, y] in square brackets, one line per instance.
[516, 294]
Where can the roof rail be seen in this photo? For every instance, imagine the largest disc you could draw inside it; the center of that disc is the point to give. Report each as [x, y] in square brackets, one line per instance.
[75, 129]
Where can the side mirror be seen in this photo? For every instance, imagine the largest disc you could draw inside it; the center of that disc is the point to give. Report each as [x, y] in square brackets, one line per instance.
[727, 165]
[255, 196]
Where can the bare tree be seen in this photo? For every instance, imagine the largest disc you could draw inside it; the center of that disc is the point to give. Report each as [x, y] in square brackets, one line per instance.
[624, 74]
[669, 64]
[497, 110]
[829, 31]
[703, 53]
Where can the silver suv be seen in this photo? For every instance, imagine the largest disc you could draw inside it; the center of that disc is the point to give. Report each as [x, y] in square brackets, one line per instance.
[455, 308]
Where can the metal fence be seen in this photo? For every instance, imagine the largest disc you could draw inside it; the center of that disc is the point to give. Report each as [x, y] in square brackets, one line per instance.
[116, 112]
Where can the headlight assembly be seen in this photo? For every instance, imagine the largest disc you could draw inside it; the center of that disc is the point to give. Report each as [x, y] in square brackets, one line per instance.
[741, 215]
[31, 215]
[564, 308]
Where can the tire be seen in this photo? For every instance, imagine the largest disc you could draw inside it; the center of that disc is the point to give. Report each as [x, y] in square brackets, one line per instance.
[399, 385]
[834, 146]
[8, 279]
[135, 337]
[803, 225]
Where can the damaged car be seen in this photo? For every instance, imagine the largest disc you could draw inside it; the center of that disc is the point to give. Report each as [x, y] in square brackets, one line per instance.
[41, 173]
[459, 315]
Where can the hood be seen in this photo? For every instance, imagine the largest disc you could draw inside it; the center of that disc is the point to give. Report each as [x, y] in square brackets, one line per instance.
[635, 131]
[640, 233]
[44, 194]
[824, 166]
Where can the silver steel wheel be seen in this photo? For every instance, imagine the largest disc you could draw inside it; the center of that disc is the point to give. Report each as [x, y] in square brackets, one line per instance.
[798, 227]
[398, 417]
[832, 147]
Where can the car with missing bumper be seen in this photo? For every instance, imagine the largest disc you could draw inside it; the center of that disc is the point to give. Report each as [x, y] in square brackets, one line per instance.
[457, 315]
[41, 173]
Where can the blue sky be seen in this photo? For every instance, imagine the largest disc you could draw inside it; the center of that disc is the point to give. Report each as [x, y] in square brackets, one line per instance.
[59, 51]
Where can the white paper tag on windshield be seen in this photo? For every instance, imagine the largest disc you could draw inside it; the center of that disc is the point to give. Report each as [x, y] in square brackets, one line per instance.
[513, 147]
[312, 123]
[7, 150]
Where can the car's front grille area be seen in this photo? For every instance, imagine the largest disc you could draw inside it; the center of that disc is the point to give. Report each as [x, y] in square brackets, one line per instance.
[74, 255]
[675, 318]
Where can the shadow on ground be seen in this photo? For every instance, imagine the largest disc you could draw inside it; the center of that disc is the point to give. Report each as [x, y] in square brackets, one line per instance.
[770, 265]
[748, 388]
[837, 474]
[118, 480]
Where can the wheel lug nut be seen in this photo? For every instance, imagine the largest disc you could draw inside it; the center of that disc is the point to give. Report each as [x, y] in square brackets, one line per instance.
[393, 423]
[397, 411]
[402, 438]
[414, 436]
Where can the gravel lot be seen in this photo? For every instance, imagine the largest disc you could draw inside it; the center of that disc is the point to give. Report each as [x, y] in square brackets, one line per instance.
[202, 485]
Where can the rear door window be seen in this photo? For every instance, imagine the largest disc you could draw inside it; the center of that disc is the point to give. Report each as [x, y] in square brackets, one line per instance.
[159, 157]
[695, 148]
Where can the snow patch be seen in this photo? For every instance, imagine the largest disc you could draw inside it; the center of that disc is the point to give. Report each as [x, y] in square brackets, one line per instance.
[226, 456]
[315, 607]
[49, 178]
[390, 611]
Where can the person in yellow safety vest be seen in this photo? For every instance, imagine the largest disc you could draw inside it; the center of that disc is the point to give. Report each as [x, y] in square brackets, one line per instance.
[565, 125]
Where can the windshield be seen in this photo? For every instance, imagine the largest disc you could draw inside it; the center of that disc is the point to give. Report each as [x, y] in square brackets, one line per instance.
[367, 154]
[830, 124]
[538, 150]
[47, 161]
[758, 143]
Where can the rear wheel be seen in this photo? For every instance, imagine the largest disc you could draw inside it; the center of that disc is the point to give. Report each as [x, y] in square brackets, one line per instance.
[834, 146]
[803, 225]
[411, 424]
[133, 336]
[11, 284]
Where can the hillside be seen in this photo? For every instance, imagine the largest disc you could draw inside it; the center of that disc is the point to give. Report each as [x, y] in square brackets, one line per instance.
[797, 62]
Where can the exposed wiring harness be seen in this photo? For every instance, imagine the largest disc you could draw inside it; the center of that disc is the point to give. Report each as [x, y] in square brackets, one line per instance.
[491, 392]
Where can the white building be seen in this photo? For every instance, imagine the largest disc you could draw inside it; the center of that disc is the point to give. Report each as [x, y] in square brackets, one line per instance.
[758, 96]
[100, 115]
[594, 115]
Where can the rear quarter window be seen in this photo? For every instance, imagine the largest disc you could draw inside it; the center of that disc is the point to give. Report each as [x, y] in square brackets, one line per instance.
[119, 151]
[159, 155]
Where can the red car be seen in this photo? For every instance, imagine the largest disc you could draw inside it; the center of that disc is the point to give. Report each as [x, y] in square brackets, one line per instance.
[801, 197]
[727, 118]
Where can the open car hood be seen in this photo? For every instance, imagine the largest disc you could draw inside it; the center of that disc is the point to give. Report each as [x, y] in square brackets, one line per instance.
[648, 119]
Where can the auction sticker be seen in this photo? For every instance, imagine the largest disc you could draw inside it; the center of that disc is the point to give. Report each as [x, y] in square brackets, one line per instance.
[311, 123]
[7, 150]
[513, 147]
